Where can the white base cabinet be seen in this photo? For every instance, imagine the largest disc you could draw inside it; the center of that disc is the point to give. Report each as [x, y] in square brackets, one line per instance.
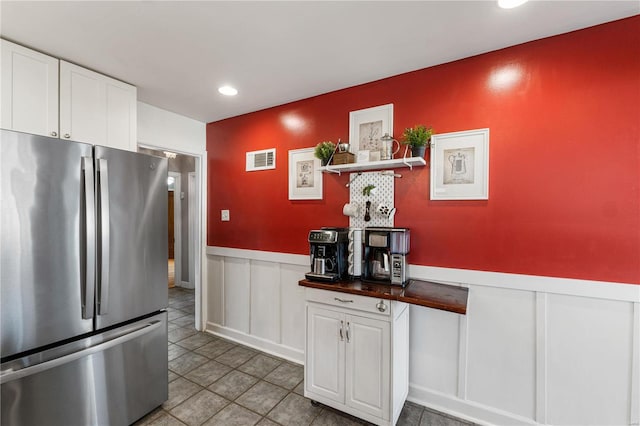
[357, 354]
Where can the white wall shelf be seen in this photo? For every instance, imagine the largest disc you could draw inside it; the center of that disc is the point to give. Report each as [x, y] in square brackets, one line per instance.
[409, 162]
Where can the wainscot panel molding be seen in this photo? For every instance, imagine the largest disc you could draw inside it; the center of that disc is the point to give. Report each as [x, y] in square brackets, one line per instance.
[266, 256]
[539, 284]
[530, 350]
[253, 298]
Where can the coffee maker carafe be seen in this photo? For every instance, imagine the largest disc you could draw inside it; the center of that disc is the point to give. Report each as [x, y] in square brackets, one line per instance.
[328, 249]
[385, 254]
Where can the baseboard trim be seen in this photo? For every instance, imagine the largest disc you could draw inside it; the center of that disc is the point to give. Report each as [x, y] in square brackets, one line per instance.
[186, 284]
[290, 354]
[464, 409]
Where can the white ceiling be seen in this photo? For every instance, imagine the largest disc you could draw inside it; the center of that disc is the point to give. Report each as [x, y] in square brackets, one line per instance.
[179, 52]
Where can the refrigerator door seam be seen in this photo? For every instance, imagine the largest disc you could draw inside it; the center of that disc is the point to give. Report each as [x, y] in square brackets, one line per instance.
[90, 238]
[103, 187]
[38, 368]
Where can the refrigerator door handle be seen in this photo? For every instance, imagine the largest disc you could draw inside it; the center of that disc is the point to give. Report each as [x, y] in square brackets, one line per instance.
[103, 190]
[89, 239]
[134, 333]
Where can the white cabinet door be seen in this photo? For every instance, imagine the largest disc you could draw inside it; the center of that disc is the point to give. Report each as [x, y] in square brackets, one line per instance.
[324, 372]
[349, 355]
[29, 90]
[96, 109]
[368, 365]
[82, 105]
[122, 111]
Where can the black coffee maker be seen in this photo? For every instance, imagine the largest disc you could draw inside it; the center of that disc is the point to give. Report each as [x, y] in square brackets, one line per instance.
[328, 249]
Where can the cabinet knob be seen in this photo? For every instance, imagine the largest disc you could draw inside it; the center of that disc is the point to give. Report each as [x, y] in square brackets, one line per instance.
[54, 134]
[381, 306]
[67, 135]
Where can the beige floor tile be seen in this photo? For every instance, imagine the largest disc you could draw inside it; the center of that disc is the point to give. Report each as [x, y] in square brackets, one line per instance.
[262, 397]
[207, 373]
[200, 407]
[234, 415]
[233, 384]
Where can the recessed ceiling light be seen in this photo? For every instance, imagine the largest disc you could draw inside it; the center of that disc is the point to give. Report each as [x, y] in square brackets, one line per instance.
[228, 91]
[510, 4]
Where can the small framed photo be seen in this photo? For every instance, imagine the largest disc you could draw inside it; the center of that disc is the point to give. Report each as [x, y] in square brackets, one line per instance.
[362, 156]
[367, 126]
[305, 177]
[460, 165]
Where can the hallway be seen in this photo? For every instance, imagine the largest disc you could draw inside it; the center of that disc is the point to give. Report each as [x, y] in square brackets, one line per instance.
[171, 267]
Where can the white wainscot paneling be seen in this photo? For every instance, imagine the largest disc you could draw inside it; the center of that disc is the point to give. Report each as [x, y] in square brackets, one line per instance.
[433, 356]
[215, 290]
[501, 350]
[237, 294]
[292, 306]
[265, 300]
[589, 361]
[530, 350]
[254, 298]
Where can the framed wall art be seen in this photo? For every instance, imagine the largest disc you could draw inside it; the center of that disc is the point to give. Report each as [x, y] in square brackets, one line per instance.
[305, 178]
[367, 126]
[460, 165]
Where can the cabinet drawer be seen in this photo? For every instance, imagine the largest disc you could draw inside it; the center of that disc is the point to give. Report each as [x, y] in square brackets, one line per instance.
[350, 301]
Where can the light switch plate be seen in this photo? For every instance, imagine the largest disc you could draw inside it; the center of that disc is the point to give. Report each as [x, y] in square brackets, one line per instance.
[224, 215]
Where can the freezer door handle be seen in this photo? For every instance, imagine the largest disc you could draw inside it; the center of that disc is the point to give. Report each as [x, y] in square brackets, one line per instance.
[88, 287]
[133, 333]
[103, 191]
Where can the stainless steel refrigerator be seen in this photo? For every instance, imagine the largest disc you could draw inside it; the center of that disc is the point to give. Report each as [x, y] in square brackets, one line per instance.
[83, 282]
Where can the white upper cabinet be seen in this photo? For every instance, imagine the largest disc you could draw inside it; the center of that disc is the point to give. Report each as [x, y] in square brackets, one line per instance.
[46, 96]
[96, 109]
[29, 90]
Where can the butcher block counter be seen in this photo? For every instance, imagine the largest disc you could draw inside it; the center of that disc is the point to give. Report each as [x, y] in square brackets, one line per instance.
[417, 292]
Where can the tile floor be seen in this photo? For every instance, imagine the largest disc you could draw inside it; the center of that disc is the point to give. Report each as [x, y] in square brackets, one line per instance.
[213, 381]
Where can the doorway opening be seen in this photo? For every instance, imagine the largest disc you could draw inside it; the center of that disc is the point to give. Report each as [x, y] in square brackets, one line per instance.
[174, 226]
[183, 225]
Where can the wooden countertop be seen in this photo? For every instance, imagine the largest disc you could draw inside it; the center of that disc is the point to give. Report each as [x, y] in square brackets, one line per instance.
[417, 292]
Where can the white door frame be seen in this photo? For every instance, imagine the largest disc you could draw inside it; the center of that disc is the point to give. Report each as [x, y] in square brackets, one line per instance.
[200, 253]
[177, 227]
[200, 275]
[192, 185]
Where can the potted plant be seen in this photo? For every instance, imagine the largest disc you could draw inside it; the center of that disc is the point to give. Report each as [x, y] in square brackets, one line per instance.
[418, 138]
[324, 151]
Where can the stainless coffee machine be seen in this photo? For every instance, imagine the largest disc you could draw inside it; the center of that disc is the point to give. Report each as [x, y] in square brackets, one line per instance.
[385, 255]
[328, 249]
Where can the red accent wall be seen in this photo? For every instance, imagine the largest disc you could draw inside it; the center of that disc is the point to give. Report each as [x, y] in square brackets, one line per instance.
[564, 191]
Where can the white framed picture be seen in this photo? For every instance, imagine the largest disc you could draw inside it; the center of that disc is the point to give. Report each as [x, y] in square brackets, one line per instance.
[367, 126]
[305, 177]
[460, 165]
[362, 156]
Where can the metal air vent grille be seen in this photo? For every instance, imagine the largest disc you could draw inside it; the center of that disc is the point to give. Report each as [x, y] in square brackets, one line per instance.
[261, 160]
